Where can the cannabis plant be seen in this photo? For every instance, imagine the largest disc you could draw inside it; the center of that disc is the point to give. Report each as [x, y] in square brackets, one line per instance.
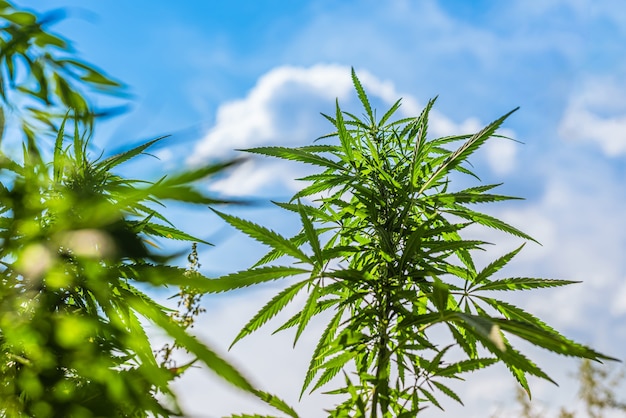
[382, 253]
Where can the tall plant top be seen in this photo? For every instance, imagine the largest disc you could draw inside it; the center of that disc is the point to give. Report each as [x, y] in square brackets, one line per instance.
[381, 252]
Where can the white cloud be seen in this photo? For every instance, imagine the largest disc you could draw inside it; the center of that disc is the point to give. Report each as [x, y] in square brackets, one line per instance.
[277, 110]
[282, 109]
[597, 113]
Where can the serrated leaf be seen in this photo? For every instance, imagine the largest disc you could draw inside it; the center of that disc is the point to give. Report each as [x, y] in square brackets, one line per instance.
[294, 320]
[159, 275]
[275, 254]
[307, 312]
[513, 312]
[171, 233]
[312, 236]
[522, 283]
[389, 112]
[277, 403]
[516, 362]
[190, 176]
[295, 154]
[465, 150]
[491, 222]
[446, 390]
[118, 159]
[186, 194]
[321, 186]
[265, 236]
[270, 310]
[465, 366]
[496, 265]
[326, 376]
[58, 159]
[465, 197]
[346, 140]
[250, 277]
[430, 397]
[362, 96]
[549, 340]
[323, 346]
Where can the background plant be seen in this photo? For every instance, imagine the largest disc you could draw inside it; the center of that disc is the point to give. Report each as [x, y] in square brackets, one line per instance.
[598, 392]
[381, 252]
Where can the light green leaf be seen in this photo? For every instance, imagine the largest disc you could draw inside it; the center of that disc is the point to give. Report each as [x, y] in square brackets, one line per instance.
[446, 390]
[58, 159]
[332, 368]
[159, 275]
[549, 340]
[170, 232]
[190, 343]
[277, 403]
[190, 176]
[321, 349]
[115, 160]
[490, 221]
[461, 154]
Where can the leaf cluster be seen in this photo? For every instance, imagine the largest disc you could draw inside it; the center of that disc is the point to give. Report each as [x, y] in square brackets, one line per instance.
[76, 250]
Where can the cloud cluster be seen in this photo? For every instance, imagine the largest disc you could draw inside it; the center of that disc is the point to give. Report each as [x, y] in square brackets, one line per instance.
[282, 109]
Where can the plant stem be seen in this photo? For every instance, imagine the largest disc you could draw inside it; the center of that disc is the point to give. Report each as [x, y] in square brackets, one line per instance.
[381, 390]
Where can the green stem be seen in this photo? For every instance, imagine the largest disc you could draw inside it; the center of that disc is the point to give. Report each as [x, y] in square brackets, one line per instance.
[381, 390]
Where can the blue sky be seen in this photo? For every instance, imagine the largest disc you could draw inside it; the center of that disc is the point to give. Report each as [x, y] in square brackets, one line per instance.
[222, 75]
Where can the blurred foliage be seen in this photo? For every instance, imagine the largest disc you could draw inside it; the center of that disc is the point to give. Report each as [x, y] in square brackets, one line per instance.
[381, 252]
[598, 395]
[598, 389]
[75, 246]
[78, 244]
[40, 78]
